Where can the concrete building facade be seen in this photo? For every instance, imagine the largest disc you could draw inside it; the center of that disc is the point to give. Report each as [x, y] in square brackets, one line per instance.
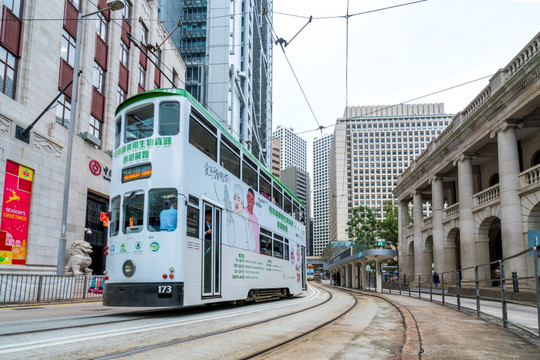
[276, 158]
[481, 176]
[371, 146]
[321, 192]
[293, 148]
[111, 69]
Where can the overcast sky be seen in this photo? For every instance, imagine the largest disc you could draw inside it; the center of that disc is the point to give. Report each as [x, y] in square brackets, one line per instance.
[394, 55]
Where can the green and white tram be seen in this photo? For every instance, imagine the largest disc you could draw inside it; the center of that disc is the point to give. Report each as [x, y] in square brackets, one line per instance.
[195, 218]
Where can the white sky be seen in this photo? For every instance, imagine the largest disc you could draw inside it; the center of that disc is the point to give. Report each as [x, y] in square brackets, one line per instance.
[394, 55]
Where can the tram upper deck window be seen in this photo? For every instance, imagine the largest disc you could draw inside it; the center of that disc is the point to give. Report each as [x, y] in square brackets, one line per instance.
[114, 223]
[229, 156]
[162, 209]
[296, 211]
[277, 196]
[287, 204]
[265, 187]
[133, 212]
[249, 173]
[117, 132]
[169, 118]
[139, 123]
[265, 242]
[203, 137]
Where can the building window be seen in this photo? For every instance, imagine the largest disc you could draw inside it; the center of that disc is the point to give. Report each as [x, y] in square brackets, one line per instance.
[63, 110]
[124, 51]
[101, 26]
[74, 2]
[144, 35]
[126, 11]
[15, 6]
[142, 75]
[95, 127]
[99, 78]
[67, 52]
[121, 95]
[8, 71]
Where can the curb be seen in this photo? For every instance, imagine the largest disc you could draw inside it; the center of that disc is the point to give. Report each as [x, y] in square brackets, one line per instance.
[412, 349]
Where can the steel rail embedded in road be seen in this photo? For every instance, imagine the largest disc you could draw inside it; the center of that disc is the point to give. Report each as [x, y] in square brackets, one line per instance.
[304, 333]
[210, 334]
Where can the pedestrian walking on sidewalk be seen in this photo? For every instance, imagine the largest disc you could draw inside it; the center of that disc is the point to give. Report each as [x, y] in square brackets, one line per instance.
[436, 280]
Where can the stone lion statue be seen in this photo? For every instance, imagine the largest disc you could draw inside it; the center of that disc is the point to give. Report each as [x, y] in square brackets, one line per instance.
[79, 260]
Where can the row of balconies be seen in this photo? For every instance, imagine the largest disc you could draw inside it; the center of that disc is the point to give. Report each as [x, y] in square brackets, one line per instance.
[529, 180]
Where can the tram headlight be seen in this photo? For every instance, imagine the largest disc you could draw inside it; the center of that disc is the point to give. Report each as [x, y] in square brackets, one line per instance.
[128, 268]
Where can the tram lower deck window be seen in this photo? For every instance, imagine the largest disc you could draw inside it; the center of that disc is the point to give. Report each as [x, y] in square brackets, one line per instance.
[133, 213]
[162, 209]
[266, 242]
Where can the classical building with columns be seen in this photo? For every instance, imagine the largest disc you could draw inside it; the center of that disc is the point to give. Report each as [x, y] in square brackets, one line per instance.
[482, 177]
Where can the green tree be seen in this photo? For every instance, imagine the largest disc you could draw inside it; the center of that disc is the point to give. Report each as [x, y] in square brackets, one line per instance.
[330, 251]
[363, 228]
[388, 227]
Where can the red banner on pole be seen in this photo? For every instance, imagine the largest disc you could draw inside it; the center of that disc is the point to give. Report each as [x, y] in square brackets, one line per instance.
[15, 214]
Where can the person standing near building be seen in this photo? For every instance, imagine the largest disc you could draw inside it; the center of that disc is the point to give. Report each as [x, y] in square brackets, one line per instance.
[436, 280]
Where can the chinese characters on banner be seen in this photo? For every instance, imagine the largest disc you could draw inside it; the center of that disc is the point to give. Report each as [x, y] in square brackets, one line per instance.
[15, 214]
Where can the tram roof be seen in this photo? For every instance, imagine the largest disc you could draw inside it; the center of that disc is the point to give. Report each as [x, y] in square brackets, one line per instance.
[182, 92]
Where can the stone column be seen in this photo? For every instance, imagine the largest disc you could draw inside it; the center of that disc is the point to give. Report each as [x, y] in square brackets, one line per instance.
[466, 221]
[403, 249]
[437, 203]
[378, 272]
[418, 243]
[362, 275]
[511, 225]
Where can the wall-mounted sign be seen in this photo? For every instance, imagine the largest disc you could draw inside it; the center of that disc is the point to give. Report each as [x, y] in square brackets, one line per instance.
[15, 214]
[95, 167]
[97, 170]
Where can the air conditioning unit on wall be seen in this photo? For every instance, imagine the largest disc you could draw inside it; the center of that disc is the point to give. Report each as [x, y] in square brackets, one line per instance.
[90, 138]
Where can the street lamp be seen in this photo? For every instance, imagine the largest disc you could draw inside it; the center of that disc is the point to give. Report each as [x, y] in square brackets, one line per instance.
[111, 5]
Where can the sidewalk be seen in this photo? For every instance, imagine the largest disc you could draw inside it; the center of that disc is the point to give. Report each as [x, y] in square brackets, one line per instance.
[437, 332]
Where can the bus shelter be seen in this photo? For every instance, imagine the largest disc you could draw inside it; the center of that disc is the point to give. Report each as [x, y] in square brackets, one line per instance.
[351, 266]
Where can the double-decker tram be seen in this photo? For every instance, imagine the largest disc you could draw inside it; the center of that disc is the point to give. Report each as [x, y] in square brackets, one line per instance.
[309, 271]
[194, 217]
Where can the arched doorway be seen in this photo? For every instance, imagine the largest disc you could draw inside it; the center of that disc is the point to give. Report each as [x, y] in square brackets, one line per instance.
[489, 249]
[533, 233]
[428, 256]
[452, 253]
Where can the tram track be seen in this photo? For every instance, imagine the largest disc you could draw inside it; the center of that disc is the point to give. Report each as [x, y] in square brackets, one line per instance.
[215, 333]
[50, 339]
[137, 315]
[303, 334]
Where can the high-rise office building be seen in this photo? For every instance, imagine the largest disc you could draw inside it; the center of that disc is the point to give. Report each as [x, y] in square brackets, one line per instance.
[293, 148]
[276, 158]
[370, 148]
[321, 199]
[227, 47]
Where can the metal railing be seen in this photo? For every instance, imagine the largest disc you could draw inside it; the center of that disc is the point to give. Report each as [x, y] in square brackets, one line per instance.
[479, 282]
[28, 289]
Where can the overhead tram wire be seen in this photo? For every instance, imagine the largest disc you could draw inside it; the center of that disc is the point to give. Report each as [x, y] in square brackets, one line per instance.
[281, 41]
[404, 102]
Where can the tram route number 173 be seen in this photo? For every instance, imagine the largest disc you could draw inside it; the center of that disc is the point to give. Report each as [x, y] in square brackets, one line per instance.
[164, 289]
